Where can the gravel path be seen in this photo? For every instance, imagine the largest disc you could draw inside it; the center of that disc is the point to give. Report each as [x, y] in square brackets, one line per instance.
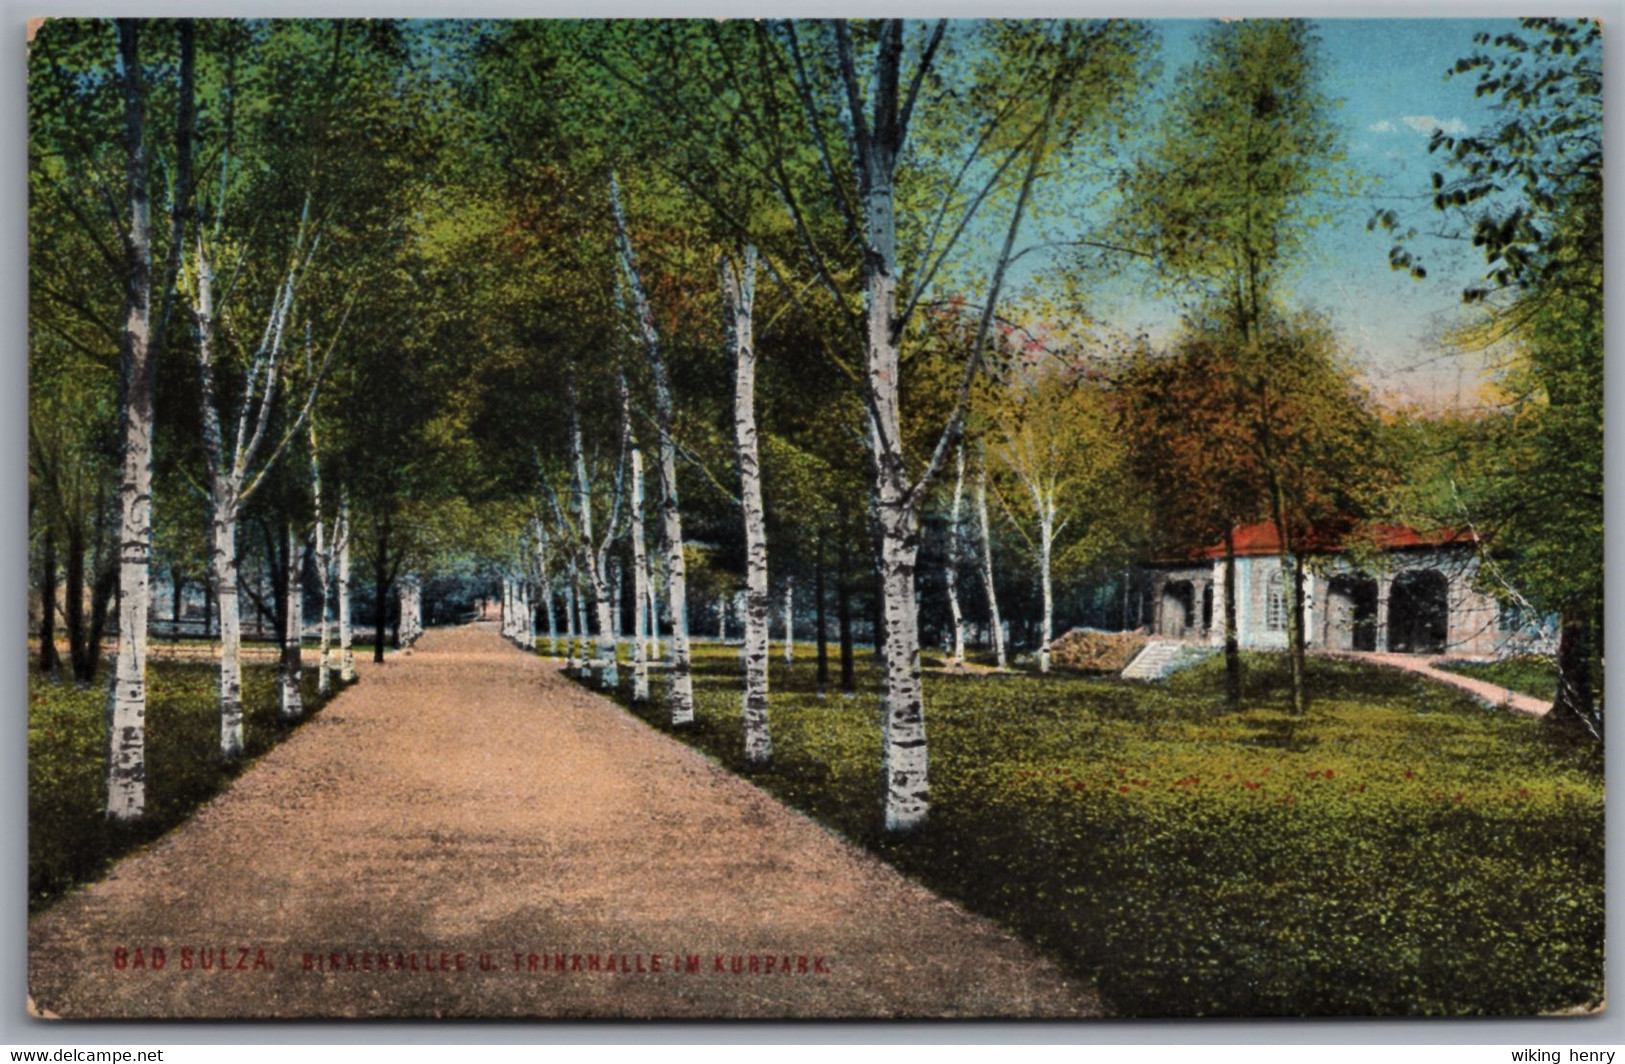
[1427, 665]
[467, 833]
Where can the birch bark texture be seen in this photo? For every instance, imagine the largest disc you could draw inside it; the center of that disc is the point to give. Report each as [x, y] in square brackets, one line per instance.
[738, 303]
[290, 703]
[346, 649]
[995, 623]
[127, 697]
[681, 686]
[951, 569]
[641, 590]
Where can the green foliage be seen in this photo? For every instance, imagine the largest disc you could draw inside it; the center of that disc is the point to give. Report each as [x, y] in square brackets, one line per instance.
[1527, 675]
[70, 840]
[1399, 850]
[1224, 201]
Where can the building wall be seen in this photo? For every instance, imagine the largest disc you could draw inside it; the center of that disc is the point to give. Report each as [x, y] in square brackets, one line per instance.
[1472, 621]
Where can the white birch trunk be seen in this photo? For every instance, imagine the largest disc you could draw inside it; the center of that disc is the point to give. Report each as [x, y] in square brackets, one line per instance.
[789, 621]
[641, 591]
[1046, 544]
[291, 705]
[996, 626]
[324, 680]
[127, 698]
[681, 689]
[654, 614]
[570, 624]
[604, 664]
[346, 651]
[223, 561]
[552, 621]
[585, 629]
[530, 619]
[952, 573]
[738, 298]
[904, 767]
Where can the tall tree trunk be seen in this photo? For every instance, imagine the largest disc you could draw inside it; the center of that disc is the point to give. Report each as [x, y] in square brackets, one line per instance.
[324, 679]
[177, 589]
[570, 623]
[49, 662]
[346, 650]
[995, 625]
[738, 299]
[641, 599]
[552, 620]
[821, 622]
[681, 687]
[73, 604]
[654, 614]
[223, 561]
[843, 619]
[1232, 639]
[127, 697]
[789, 620]
[291, 704]
[102, 594]
[951, 572]
[380, 585]
[604, 653]
[1046, 546]
[1289, 580]
[1574, 709]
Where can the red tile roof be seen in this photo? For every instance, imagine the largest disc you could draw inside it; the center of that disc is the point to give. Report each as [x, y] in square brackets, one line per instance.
[1261, 538]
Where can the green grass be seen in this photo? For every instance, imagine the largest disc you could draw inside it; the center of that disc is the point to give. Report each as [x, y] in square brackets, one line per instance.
[70, 841]
[1399, 850]
[1526, 675]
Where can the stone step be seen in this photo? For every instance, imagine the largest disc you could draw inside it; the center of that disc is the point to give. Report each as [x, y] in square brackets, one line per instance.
[1164, 656]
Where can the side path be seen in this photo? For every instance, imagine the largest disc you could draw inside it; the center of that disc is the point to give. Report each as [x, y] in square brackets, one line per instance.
[467, 805]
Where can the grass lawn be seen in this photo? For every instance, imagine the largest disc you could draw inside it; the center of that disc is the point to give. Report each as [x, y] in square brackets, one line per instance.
[70, 841]
[1527, 675]
[1399, 850]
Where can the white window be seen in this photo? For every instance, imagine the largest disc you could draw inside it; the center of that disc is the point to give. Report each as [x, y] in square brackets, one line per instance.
[1275, 603]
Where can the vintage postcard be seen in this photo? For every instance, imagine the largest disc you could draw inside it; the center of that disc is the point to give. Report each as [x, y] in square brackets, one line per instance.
[892, 519]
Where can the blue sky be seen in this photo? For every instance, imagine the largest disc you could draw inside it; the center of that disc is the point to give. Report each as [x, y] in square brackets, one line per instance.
[1388, 76]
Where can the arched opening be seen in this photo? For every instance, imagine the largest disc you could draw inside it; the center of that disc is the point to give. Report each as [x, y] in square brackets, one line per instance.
[1178, 615]
[1351, 613]
[1207, 607]
[1418, 612]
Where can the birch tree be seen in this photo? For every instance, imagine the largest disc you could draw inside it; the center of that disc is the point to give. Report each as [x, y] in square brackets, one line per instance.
[995, 624]
[680, 695]
[290, 700]
[1060, 449]
[1072, 77]
[346, 651]
[951, 568]
[127, 698]
[1225, 200]
[236, 474]
[738, 301]
[643, 617]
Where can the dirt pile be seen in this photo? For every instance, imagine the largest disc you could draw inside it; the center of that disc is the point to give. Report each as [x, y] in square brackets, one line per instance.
[1091, 650]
